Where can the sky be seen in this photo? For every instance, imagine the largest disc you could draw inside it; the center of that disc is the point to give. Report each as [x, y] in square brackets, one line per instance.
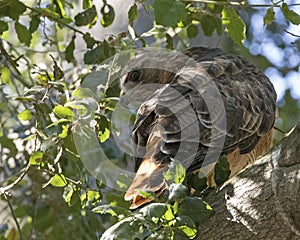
[285, 58]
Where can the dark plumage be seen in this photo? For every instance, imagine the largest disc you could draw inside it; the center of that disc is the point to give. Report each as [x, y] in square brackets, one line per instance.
[208, 103]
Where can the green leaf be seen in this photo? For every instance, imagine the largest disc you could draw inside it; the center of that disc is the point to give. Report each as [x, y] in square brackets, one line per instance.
[104, 128]
[52, 15]
[270, 16]
[124, 181]
[169, 215]
[49, 144]
[86, 17]
[57, 72]
[290, 15]
[209, 24]
[112, 210]
[176, 173]
[187, 225]
[58, 180]
[195, 208]
[215, 8]
[69, 53]
[235, 26]
[24, 35]
[89, 40]
[99, 54]
[162, 234]
[127, 228]
[169, 12]
[169, 40]
[133, 14]
[108, 15]
[36, 158]
[222, 171]
[192, 31]
[154, 210]
[9, 144]
[87, 4]
[22, 211]
[63, 112]
[11, 8]
[198, 181]
[34, 23]
[90, 196]
[177, 192]
[58, 122]
[3, 27]
[93, 195]
[25, 115]
[289, 112]
[25, 99]
[5, 75]
[104, 135]
[59, 8]
[64, 132]
[83, 92]
[116, 199]
[68, 194]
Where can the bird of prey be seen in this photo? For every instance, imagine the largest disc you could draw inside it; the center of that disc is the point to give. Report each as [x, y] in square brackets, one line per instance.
[205, 103]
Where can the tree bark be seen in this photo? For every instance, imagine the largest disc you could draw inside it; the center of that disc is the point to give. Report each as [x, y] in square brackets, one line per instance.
[262, 201]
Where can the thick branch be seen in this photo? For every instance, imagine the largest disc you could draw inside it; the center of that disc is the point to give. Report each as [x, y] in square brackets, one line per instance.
[262, 201]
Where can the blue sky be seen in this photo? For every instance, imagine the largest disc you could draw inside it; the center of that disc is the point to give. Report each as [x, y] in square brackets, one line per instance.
[285, 58]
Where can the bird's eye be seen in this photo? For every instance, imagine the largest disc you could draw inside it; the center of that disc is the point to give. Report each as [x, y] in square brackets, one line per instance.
[134, 75]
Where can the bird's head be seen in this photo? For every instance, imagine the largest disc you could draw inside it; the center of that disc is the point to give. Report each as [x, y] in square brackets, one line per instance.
[137, 77]
[131, 79]
[149, 67]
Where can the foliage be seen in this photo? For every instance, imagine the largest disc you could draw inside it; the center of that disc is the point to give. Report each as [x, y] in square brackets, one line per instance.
[49, 86]
[175, 216]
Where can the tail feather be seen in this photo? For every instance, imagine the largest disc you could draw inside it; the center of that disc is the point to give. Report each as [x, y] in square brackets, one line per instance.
[148, 177]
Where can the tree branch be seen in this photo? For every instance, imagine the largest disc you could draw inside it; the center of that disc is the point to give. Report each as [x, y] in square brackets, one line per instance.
[262, 201]
[13, 215]
[3, 190]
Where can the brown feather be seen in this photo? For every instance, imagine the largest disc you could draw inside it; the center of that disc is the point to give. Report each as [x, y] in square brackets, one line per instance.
[165, 122]
[149, 177]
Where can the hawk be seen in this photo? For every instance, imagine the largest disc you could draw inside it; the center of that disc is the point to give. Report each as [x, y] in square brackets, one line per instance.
[205, 103]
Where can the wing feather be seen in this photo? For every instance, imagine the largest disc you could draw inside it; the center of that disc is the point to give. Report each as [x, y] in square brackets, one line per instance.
[190, 110]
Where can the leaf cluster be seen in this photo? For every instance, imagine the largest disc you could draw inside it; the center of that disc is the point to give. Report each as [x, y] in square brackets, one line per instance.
[174, 216]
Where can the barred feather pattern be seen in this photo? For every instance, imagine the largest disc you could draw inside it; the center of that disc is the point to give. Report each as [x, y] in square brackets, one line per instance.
[184, 116]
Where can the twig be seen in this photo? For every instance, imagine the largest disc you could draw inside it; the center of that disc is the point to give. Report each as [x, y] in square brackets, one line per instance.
[67, 178]
[34, 218]
[13, 64]
[279, 130]
[8, 57]
[14, 216]
[57, 20]
[294, 35]
[3, 190]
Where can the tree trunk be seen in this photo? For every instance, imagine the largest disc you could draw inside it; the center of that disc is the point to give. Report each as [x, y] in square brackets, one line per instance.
[262, 201]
